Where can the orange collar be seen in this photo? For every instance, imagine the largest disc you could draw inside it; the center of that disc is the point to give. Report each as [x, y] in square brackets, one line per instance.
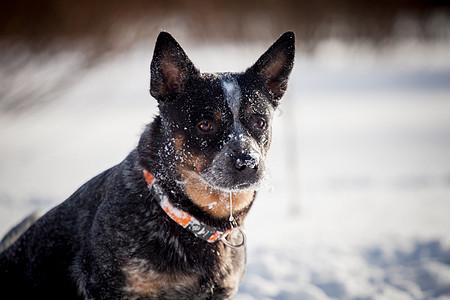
[186, 220]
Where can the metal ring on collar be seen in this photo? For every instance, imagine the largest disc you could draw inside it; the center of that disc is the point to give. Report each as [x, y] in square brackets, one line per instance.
[244, 239]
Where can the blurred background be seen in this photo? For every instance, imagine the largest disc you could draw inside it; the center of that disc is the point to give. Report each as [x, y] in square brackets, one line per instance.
[33, 31]
[357, 205]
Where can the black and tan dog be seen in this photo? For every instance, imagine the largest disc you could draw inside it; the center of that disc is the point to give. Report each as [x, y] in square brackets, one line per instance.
[166, 222]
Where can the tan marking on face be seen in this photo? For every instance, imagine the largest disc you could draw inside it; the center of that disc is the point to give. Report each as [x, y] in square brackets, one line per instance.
[143, 281]
[218, 116]
[208, 198]
[214, 201]
[185, 159]
[178, 142]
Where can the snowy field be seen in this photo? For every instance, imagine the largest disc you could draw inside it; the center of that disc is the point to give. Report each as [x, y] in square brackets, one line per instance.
[358, 205]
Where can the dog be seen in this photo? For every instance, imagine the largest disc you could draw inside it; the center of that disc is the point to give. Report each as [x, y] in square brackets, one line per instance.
[165, 223]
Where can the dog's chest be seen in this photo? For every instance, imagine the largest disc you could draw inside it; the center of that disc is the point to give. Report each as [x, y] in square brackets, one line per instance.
[142, 282]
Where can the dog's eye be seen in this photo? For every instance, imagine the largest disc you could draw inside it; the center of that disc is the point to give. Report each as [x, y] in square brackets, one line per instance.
[259, 124]
[205, 126]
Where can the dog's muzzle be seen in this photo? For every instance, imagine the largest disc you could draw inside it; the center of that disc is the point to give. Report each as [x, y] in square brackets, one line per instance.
[238, 165]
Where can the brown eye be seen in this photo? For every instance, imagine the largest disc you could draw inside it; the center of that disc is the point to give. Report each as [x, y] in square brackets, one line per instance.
[259, 124]
[205, 126]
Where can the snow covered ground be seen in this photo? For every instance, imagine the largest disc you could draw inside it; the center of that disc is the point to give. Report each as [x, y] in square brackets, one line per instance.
[358, 203]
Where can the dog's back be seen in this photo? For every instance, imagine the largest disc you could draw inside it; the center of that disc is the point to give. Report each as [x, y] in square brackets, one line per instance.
[41, 261]
[15, 232]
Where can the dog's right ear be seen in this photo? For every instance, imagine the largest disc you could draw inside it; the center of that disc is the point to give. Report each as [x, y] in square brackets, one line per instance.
[170, 68]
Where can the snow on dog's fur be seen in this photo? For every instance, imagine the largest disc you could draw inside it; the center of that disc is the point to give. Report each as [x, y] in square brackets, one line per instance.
[113, 239]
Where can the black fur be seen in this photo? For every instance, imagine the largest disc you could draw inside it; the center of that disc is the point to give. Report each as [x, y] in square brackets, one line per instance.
[111, 240]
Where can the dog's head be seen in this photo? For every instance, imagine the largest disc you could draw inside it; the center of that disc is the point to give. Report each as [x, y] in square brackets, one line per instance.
[219, 124]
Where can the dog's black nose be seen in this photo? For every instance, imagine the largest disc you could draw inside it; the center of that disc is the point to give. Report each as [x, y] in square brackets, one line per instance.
[246, 162]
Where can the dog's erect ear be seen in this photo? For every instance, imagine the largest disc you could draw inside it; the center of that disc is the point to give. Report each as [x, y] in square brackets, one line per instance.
[169, 69]
[275, 65]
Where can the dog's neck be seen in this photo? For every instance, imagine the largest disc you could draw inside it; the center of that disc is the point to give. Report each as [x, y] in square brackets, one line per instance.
[186, 220]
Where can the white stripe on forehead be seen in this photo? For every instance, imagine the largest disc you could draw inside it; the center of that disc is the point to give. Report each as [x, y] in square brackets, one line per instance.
[233, 96]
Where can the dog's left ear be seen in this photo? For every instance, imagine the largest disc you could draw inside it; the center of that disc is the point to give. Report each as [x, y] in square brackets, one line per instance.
[170, 68]
[275, 65]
